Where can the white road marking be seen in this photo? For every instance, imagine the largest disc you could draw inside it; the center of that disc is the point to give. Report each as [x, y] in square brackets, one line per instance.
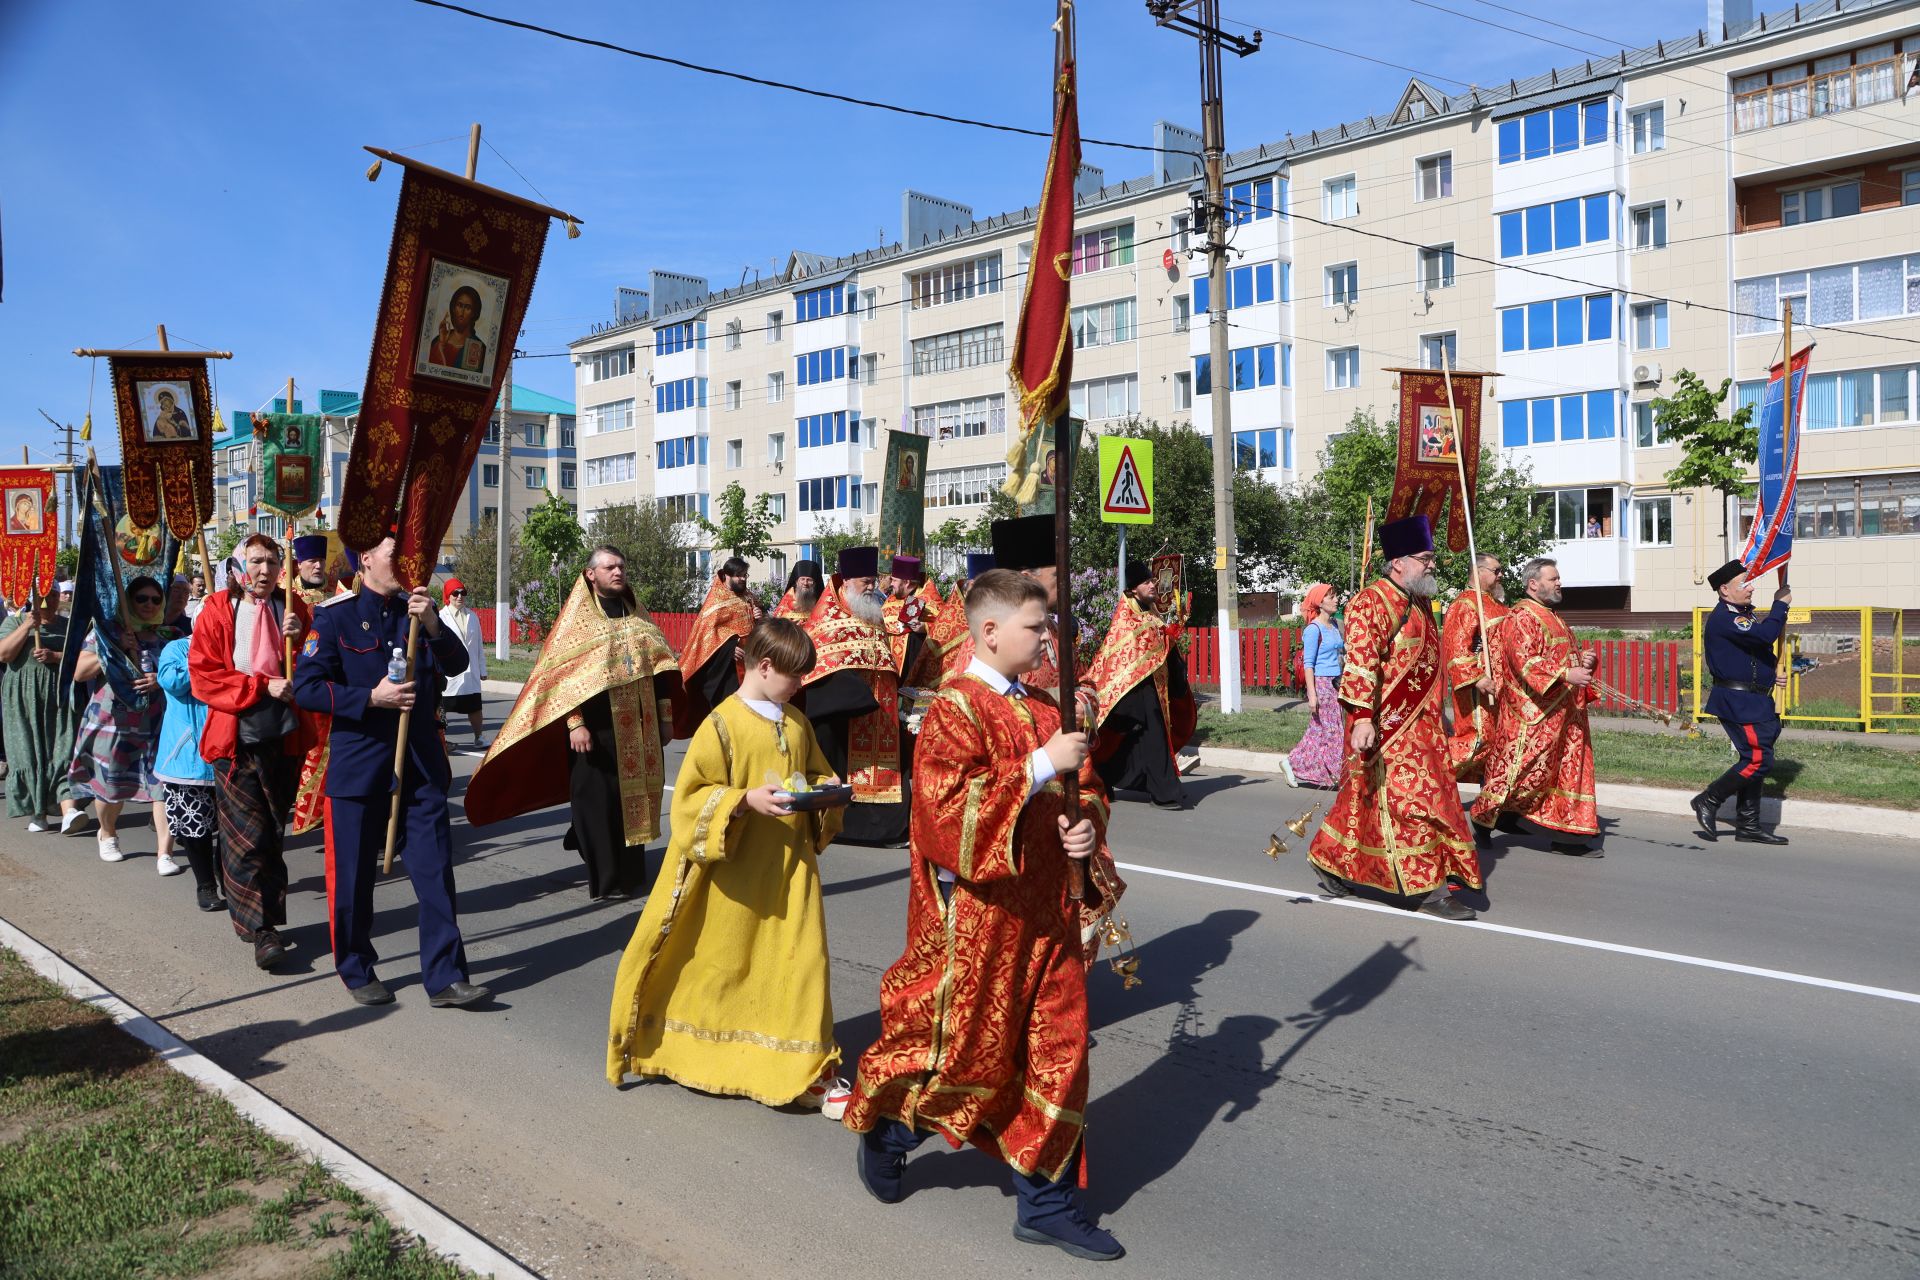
[1593, 944]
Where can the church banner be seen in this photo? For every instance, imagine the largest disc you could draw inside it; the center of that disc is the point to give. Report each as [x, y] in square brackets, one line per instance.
[460, 273]
[32, 539]
[1042, 457]
[903, 496]
[165, 411]
[1770, 540]
[1435, 440]
[290, 461]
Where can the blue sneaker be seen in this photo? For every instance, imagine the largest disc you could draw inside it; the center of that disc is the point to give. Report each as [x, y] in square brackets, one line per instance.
[1069, 1231]
[881, 1171]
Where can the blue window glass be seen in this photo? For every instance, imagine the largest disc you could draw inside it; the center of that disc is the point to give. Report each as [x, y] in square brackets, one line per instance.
[703, 512]
[1539, 143]
[1566, 224]
[1513, 423]
[1542, 412]
[1566, 127]
[1600, 317]
[703, 449]
[1270, 448]
[1568, 313]
[1539, 326]
[1600, 415]
[1263, 360]
[842, 494]
[1510, 243]
[1263, 205]
[1286, 366]
[1597, 219]
[1200, 295]
[1573, 421]
[1286, 282]
[1509, 141]
[1540, 228]
[1286, 447]
[1244, 450]
[853, 428]
[1595, 115]
[1203, 375]
[1263, 282]
[1243, 369]
[1513, 329]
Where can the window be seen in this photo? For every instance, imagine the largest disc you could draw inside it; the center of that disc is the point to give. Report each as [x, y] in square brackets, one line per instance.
[774, 325]
[1339, 198]
[602, 365]
[1577, 514]
[1433, 177]
[1343, 284]
[1646, 426]
[534, 434]
[777, 447]
[1649, 326]
[733, 397]
[1816, 204]
[616, 468]
[1855, 398]
[681, 451]
[1106, 397]
[688, 335]
[961, 349]
[1343, 368]
[964, 486]
[819, 304]
[821, 429]
[1182, 313]
[569, 476]
[1102, 249]
[1852, 78]
[536, 477]
[816, 367]
[1648, 227]
[733, 335]
[1104, 323]
[777, 505]
[1877, 290]
[776, 388]
[1245, 286]
[566, 433]
[1648, 127]
[1260, 450]
[1583, 416]
[1557, 322]
[1436, 267]
[1564, 224]
[489, 475]
[616, 415]
[1252, 367]
[684, 507]
[869, 303]
[1434, 345]
[869, 370]
[1182, 232]
[961, 419]
[955, 282]
[1881, 506]
[681, 393]
[1252, 201]
[1910, 187]
[1554, 130]
[1183, 391]
[736, 454]
[829, 493]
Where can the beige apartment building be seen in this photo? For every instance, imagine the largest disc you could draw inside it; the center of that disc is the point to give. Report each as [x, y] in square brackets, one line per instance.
[1584, 233]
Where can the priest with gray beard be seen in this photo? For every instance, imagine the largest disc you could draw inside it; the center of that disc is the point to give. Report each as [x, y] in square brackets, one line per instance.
[852, 699]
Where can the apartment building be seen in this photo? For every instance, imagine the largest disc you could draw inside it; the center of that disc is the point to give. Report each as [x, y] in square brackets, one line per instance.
[542, 460]
[1584, 233]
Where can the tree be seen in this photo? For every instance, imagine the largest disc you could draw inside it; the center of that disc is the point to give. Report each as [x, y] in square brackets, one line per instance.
[745, 531]
[553, 531]
[829, 542]
[1715, 451]
[475, 558]
[1321, 522]
[660, 563]
[66, 563]
[226, 540]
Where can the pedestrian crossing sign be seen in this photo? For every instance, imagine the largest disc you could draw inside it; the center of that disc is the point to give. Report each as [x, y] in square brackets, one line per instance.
[1126, 480]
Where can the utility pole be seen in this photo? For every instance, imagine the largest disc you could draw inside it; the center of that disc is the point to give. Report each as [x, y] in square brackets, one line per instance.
[1201, 20]
[502, 588]
[68, 430]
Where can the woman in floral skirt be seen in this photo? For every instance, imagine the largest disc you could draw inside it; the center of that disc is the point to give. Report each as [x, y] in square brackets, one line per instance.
[1315, 761]
[119, 737]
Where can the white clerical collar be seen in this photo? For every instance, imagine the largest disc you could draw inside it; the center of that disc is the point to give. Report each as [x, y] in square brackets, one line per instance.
[993, 679]
[764, 709]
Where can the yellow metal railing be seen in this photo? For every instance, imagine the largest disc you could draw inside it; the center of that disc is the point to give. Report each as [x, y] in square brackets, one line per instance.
[1885, 682]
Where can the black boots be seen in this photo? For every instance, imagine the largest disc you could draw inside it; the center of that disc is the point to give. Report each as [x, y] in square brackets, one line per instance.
[1746, 817]
[1706, 805]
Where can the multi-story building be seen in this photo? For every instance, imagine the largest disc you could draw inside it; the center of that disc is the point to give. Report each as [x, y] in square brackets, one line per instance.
[1585, 233]
[542, 460]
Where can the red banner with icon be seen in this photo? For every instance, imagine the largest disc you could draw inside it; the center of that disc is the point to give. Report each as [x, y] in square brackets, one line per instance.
[32, 537]
[1438, 434]
[165, 411]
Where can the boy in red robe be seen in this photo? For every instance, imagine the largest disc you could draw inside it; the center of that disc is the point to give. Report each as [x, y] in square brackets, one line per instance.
[983, 1021]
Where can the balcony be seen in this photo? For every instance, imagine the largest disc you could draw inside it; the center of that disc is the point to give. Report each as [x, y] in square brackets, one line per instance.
[1847, 89]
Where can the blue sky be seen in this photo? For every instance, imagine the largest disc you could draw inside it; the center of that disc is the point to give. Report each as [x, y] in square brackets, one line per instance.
[199, 164]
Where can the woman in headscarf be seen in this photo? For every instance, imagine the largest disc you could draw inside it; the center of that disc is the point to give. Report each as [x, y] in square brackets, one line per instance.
[119, 738]
[462, 694]
[39, 723]
[1315, 762]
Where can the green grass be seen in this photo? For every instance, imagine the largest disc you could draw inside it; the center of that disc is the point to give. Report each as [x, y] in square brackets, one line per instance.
[1838, 771]
[112, 1164]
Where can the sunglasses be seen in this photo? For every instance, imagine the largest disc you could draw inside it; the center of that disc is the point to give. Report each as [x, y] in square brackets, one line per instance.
[459, 593]
[146, 599]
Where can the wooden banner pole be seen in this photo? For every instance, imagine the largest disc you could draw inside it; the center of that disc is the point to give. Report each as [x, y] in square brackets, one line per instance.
[1784, 666]
[287, 569]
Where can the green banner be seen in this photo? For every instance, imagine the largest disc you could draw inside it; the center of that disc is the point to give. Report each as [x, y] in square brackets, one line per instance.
[903, 500]
[1041, 449]
[291, 448]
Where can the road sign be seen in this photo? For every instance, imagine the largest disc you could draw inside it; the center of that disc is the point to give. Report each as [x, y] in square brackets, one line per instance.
[1126, 480]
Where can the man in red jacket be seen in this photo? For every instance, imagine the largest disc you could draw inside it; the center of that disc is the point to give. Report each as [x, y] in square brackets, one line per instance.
[252, 739]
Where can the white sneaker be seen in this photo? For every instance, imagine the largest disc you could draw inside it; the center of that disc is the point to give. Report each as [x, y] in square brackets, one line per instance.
[74, 824]
[831, 1094]
[39, 824]
[1286, 766]
[166, 866]
[110, 849]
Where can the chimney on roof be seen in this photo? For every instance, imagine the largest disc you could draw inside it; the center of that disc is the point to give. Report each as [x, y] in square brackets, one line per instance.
[1728, 18]
[1176, 151]
[671, 289]
[924, 217]
[629, 304]
[1088, 181]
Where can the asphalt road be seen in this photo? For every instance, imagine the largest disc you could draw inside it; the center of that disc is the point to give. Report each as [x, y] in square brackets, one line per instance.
[1299, 1088]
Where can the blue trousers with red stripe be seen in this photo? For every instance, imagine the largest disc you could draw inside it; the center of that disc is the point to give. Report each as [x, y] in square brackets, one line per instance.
[356, 838]
[1753, 742]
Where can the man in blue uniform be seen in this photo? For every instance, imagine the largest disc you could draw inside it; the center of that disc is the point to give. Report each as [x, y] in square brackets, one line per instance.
[343, 672]
[1740, 656]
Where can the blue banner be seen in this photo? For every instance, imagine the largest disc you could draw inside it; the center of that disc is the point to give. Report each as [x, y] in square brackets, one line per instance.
[105, 537]
[1770, 540]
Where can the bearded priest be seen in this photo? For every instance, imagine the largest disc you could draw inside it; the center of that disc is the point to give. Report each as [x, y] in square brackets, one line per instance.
[709, 664]
[852, 699]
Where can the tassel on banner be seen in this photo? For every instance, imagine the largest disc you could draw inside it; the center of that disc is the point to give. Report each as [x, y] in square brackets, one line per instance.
[573, 229]
[373, 175]
[86, 426]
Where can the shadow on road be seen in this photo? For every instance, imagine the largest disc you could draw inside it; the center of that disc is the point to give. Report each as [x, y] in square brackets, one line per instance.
[1171, 967]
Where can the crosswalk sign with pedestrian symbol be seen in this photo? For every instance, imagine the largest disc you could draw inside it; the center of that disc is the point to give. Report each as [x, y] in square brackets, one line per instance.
[1126, 480]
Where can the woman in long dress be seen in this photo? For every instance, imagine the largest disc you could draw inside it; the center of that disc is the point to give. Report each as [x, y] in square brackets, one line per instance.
[119, 739]
[39, 725]
[1315, 761]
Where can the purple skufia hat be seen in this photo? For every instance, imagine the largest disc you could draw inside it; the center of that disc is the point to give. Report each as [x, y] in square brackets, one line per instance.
[1412, 536]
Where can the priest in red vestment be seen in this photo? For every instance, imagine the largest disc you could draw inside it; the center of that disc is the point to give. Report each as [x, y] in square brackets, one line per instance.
[1473, 681]
[709, 665]
[852, 699]
[1396, 823]
[1146, 710]
[802, 593]
[983, 1020]
[913, 602]
[1541, 767]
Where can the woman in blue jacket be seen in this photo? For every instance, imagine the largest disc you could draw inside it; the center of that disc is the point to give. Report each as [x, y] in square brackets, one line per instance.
[186, 781]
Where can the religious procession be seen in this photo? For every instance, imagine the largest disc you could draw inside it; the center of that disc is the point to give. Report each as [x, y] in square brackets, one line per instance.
[970, 756]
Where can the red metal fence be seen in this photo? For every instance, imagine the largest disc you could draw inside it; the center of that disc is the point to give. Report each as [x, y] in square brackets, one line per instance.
[675, 625]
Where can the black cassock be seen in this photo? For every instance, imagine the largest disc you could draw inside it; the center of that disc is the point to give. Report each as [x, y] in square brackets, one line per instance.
[717, 679]
[1142, 761]
[831, 705]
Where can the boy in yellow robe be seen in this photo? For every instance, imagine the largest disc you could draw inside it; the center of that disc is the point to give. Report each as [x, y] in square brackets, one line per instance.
[724, 987]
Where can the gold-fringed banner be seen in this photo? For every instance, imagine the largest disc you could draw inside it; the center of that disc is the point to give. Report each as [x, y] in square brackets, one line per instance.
[1439, 437]
[165, 411]
[32, 537]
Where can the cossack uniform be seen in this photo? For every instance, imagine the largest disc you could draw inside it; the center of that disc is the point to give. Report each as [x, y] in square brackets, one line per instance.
[1739, 652]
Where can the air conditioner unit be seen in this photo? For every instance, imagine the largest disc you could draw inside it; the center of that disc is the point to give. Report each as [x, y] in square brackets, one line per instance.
[1645, 374]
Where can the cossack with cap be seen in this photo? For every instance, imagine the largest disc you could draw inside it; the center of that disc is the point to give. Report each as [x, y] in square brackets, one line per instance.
[1725, 573]
[978, 562]
[1412, 536]
[1025, 542]
[310, 546]
[859, 562]
[908, 568]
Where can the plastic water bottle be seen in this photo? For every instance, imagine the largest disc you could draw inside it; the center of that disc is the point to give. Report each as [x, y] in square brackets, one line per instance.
[146, 662]
[397, 666]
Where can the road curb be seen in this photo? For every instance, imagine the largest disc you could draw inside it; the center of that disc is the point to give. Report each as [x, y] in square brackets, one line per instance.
[403, 1208]
[1847, 819]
